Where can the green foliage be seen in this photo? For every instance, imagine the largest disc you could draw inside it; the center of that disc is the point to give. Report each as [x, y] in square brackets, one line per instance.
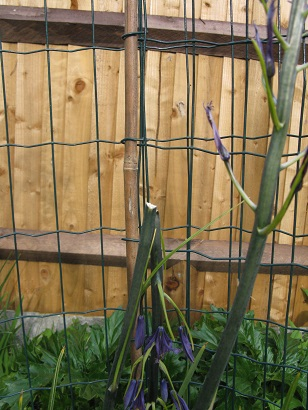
[89, 358]
[283, 353]
[8, 327]
[305, 293]
[87, 355]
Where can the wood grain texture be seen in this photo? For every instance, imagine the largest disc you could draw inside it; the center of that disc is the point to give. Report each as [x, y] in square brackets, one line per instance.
[25, 24]
[84, 248]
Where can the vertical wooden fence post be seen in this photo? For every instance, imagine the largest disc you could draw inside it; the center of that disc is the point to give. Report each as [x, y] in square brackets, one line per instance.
[131, 121]
[130, 157]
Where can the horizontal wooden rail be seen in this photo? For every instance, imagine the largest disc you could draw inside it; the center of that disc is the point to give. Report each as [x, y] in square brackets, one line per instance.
[85, 248]
[27, 25]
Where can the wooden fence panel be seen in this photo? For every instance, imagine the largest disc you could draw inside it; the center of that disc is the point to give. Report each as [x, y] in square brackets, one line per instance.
[75, 120]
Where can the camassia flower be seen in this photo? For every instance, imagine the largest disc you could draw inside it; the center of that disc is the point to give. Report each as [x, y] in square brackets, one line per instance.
[163, 343]
[134, 399]
[140, 332]
[178, 401]
[222, 150]
[186, 343]
[269, 56]
[164, 389]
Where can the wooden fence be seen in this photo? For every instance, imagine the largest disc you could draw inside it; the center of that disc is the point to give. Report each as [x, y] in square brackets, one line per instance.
[74, 119]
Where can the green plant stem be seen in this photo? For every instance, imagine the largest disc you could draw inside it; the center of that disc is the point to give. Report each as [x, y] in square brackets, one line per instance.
[301, 67]
[264, 209]
[281, 40]
[161, 295]
[143, 255]
[193, 236]
[292, 161]
[156, 257]
[238, 186]
[294, 187]
[271, 102]
[181, 317]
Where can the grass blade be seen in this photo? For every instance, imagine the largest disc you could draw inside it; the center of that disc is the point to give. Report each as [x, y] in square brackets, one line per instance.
[51, 401]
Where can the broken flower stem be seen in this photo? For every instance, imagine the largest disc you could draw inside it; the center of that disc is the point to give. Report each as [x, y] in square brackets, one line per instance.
[238, 186]
[292, 161]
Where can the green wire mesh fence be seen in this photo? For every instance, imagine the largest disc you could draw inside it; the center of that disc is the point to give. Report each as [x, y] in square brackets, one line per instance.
[197, 60]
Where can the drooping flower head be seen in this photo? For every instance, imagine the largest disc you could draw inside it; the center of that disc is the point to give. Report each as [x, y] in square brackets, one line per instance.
[186, 343]
[269, 57]
[140, 332]
[163, 343]
[222, 150]
[178, 401]
[134, 397]
[164, 389]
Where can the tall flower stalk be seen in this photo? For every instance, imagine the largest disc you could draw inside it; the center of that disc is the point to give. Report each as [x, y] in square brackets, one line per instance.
[280, 111]
[162, 340]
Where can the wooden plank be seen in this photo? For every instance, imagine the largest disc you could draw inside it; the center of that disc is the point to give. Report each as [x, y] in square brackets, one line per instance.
[209, 68]
[30, 75]
[77, 248]
[292, 147]
[298, 208]
[49, 292]
[78, 110]
[9, 75]
[159, 126]
[300, 311]
[257, 125]
[99, 281]
[27, 24]
[176, 195]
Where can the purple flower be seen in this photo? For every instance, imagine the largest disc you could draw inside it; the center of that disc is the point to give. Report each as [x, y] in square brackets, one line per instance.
[178, 401]
[163, 343]
[186, 343]
[133, 399]
[164, 389]
[258, 40]
[222, 150]
[269, 58]
[140, 332]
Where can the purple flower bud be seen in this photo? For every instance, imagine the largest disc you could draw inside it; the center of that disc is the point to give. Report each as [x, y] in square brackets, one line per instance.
[140, 332]
[163, 343]
[258, 40]
[132, 401]
[178, 401]
[139, 402]
[222, 150]
[186, 343]
[269, 58]
[130, 393]
[164, 389]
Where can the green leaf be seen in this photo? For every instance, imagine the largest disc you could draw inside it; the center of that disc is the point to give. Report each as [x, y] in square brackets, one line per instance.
[291, 392]
[191, 370]
[51, 401]
[305, 293]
